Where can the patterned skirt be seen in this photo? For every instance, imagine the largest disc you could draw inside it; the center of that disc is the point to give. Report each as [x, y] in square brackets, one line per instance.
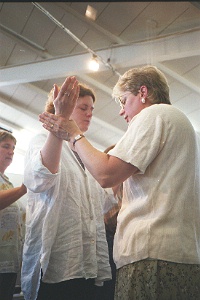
[158, 280]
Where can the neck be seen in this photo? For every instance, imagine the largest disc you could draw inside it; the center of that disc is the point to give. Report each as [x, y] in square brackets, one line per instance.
[2, 169]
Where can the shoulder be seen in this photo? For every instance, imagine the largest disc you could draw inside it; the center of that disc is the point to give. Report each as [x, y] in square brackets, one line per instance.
[160, 109]
[163, 113]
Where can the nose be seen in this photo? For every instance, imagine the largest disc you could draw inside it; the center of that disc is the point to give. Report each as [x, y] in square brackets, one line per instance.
[121, 112]
[89, 113]
[11, 151]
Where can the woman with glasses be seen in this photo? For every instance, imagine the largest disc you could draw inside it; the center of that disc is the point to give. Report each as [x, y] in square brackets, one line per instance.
[157, 240]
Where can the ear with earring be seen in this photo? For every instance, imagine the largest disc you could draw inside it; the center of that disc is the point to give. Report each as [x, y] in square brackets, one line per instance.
[143, 100]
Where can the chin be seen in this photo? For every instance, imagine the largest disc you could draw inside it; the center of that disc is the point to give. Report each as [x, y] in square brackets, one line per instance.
[84, 128]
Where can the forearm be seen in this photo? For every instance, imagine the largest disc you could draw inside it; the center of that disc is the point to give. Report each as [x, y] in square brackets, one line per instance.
[94, 160]
[51, 153]
[7, 197]
[97, 162]
[108, 170]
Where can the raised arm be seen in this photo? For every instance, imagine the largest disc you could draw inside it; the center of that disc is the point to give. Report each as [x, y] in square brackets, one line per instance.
[7, 197]
[51, 151]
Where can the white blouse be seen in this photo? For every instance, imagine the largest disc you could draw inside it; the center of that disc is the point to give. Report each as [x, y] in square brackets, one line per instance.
[65, 232]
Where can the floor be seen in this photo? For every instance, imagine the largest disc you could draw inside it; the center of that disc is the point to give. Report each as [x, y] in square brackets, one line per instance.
[18, 294]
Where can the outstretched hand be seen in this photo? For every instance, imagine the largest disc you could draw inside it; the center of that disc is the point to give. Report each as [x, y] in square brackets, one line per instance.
[61, 127]
[65, 99]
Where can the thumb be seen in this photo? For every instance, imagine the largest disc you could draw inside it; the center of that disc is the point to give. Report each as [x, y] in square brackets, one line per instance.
[55, 91]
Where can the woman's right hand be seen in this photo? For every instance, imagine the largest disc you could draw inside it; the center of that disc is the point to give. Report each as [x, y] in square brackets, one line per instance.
[65, 99]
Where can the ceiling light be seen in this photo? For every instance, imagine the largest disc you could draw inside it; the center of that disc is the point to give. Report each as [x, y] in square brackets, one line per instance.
[94, 64]
[107, 64]
[91, 13]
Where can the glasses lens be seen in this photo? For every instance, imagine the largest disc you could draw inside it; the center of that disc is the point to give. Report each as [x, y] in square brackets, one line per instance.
[118, 100]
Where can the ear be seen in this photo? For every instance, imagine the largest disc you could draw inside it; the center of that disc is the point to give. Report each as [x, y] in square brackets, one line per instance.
[143, 91]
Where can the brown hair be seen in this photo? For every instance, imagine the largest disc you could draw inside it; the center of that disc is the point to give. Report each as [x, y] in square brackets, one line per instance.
[149, 76]
[84, 91]
[4, 134]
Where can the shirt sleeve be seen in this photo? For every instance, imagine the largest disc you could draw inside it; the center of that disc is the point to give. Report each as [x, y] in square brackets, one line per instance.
[143, 140]
[37, 177]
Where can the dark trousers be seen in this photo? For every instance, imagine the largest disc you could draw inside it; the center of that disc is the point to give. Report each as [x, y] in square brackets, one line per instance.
[74, 289]
[7, 285]
[108, 290]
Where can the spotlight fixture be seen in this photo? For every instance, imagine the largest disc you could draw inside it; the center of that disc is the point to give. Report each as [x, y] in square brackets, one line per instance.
[94, 64]
[107, 64]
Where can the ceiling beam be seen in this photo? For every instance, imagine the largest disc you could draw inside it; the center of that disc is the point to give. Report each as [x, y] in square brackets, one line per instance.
[21, 40]
[123, 56]
[196, 4]
[179, 78]
[9, 125]
[96, 84]
[6, 100]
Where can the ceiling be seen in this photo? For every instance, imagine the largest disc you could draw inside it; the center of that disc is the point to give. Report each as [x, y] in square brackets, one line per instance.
[37, 51]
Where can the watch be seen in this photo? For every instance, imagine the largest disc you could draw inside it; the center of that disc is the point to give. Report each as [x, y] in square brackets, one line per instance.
[78, 137]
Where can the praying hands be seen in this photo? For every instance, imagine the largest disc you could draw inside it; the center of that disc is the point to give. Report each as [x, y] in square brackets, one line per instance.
[64, 101]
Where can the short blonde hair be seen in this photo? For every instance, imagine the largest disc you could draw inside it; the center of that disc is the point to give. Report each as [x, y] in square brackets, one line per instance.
[149, 76]
[84, 91]
[4, 134]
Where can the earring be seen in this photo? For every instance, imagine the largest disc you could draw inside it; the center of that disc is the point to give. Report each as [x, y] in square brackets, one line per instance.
[143, 100]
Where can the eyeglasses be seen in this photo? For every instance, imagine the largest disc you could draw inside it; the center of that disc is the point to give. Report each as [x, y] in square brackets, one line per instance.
[121, 100]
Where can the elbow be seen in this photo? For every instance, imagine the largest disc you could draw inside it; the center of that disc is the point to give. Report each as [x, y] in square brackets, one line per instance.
[105, 183]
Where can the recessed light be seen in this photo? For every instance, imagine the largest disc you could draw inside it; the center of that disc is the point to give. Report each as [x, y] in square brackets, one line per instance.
[91, 13]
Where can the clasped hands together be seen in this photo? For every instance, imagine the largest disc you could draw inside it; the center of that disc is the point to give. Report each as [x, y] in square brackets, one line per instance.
[64, 101]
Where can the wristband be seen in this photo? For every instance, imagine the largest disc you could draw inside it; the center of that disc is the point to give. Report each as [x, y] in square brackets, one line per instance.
[78, 137]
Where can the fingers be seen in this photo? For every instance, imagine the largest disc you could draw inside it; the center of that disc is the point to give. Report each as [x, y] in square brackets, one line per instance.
[58, 125]
[47, 117]
[69, 86]
[51, 127]
[48, 122]
[57, 131]
[51, 122]
[76, 91]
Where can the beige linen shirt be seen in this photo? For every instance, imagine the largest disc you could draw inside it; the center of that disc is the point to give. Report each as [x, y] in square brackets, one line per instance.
[160, 213]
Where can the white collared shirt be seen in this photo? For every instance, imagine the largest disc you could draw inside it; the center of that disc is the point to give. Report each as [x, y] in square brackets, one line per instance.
[65, 230]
